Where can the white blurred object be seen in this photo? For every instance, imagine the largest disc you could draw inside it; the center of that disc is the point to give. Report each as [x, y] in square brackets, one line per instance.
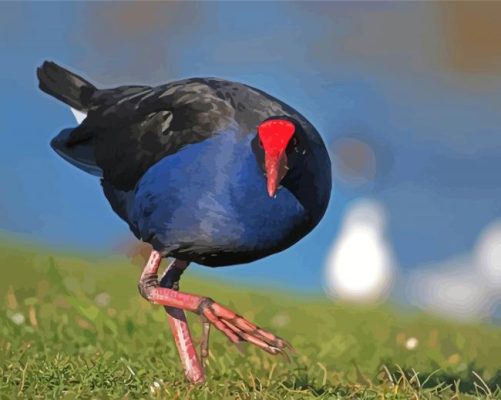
[411, 343]
[487, 255]
[467, 287]
[79, 115]
[360, 265]
[453, 288]
[17, 318]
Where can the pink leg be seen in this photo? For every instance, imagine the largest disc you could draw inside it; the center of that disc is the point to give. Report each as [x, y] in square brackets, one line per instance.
[235, 327]
[193, 369]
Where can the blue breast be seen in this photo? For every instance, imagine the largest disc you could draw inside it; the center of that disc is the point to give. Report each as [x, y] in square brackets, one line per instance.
[208, 203]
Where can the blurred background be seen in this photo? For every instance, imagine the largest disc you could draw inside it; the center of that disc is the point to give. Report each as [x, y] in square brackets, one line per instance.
[405, 94]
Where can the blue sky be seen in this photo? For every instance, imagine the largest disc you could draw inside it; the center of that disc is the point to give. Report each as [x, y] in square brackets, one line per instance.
[386, 75]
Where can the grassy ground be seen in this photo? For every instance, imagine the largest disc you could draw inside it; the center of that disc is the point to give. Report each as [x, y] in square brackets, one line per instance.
[75, 327]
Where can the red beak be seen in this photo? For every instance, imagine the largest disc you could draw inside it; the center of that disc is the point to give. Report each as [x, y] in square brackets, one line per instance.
[273, 164]
[274, 135]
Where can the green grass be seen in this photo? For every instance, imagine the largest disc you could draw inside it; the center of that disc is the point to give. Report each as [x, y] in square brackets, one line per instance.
[76, 327]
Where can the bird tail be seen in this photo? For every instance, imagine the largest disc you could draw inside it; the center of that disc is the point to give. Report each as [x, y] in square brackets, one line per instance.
[65, 85]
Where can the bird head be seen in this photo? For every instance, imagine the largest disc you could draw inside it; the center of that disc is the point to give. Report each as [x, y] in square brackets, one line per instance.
[277, 140]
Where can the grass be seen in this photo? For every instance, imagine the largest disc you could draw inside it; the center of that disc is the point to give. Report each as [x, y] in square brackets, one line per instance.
[75, 327]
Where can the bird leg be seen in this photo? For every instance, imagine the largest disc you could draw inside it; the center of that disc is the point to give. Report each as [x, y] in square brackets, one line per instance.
[235, 327]
[177, 319]
[170, 280]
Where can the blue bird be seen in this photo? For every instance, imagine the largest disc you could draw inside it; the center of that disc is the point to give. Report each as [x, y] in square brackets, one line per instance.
[205, 170]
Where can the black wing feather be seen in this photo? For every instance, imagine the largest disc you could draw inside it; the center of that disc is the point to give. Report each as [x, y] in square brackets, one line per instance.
[134, 131]
[65, 85]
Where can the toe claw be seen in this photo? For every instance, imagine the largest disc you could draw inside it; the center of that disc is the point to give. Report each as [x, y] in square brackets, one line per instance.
[239, 347]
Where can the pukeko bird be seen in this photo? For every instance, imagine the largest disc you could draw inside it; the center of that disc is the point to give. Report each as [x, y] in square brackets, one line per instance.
[205, 170]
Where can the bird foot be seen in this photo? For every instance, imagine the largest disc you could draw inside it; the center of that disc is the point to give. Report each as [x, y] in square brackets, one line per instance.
[237, 329]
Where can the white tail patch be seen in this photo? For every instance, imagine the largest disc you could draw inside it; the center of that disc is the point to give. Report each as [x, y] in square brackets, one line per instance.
[79, 115]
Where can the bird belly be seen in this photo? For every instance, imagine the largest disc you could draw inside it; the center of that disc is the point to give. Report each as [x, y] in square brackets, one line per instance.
[212, 208]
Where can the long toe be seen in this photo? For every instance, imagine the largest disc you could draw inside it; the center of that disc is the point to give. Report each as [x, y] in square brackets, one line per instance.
[239, 329]
[204, 342]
